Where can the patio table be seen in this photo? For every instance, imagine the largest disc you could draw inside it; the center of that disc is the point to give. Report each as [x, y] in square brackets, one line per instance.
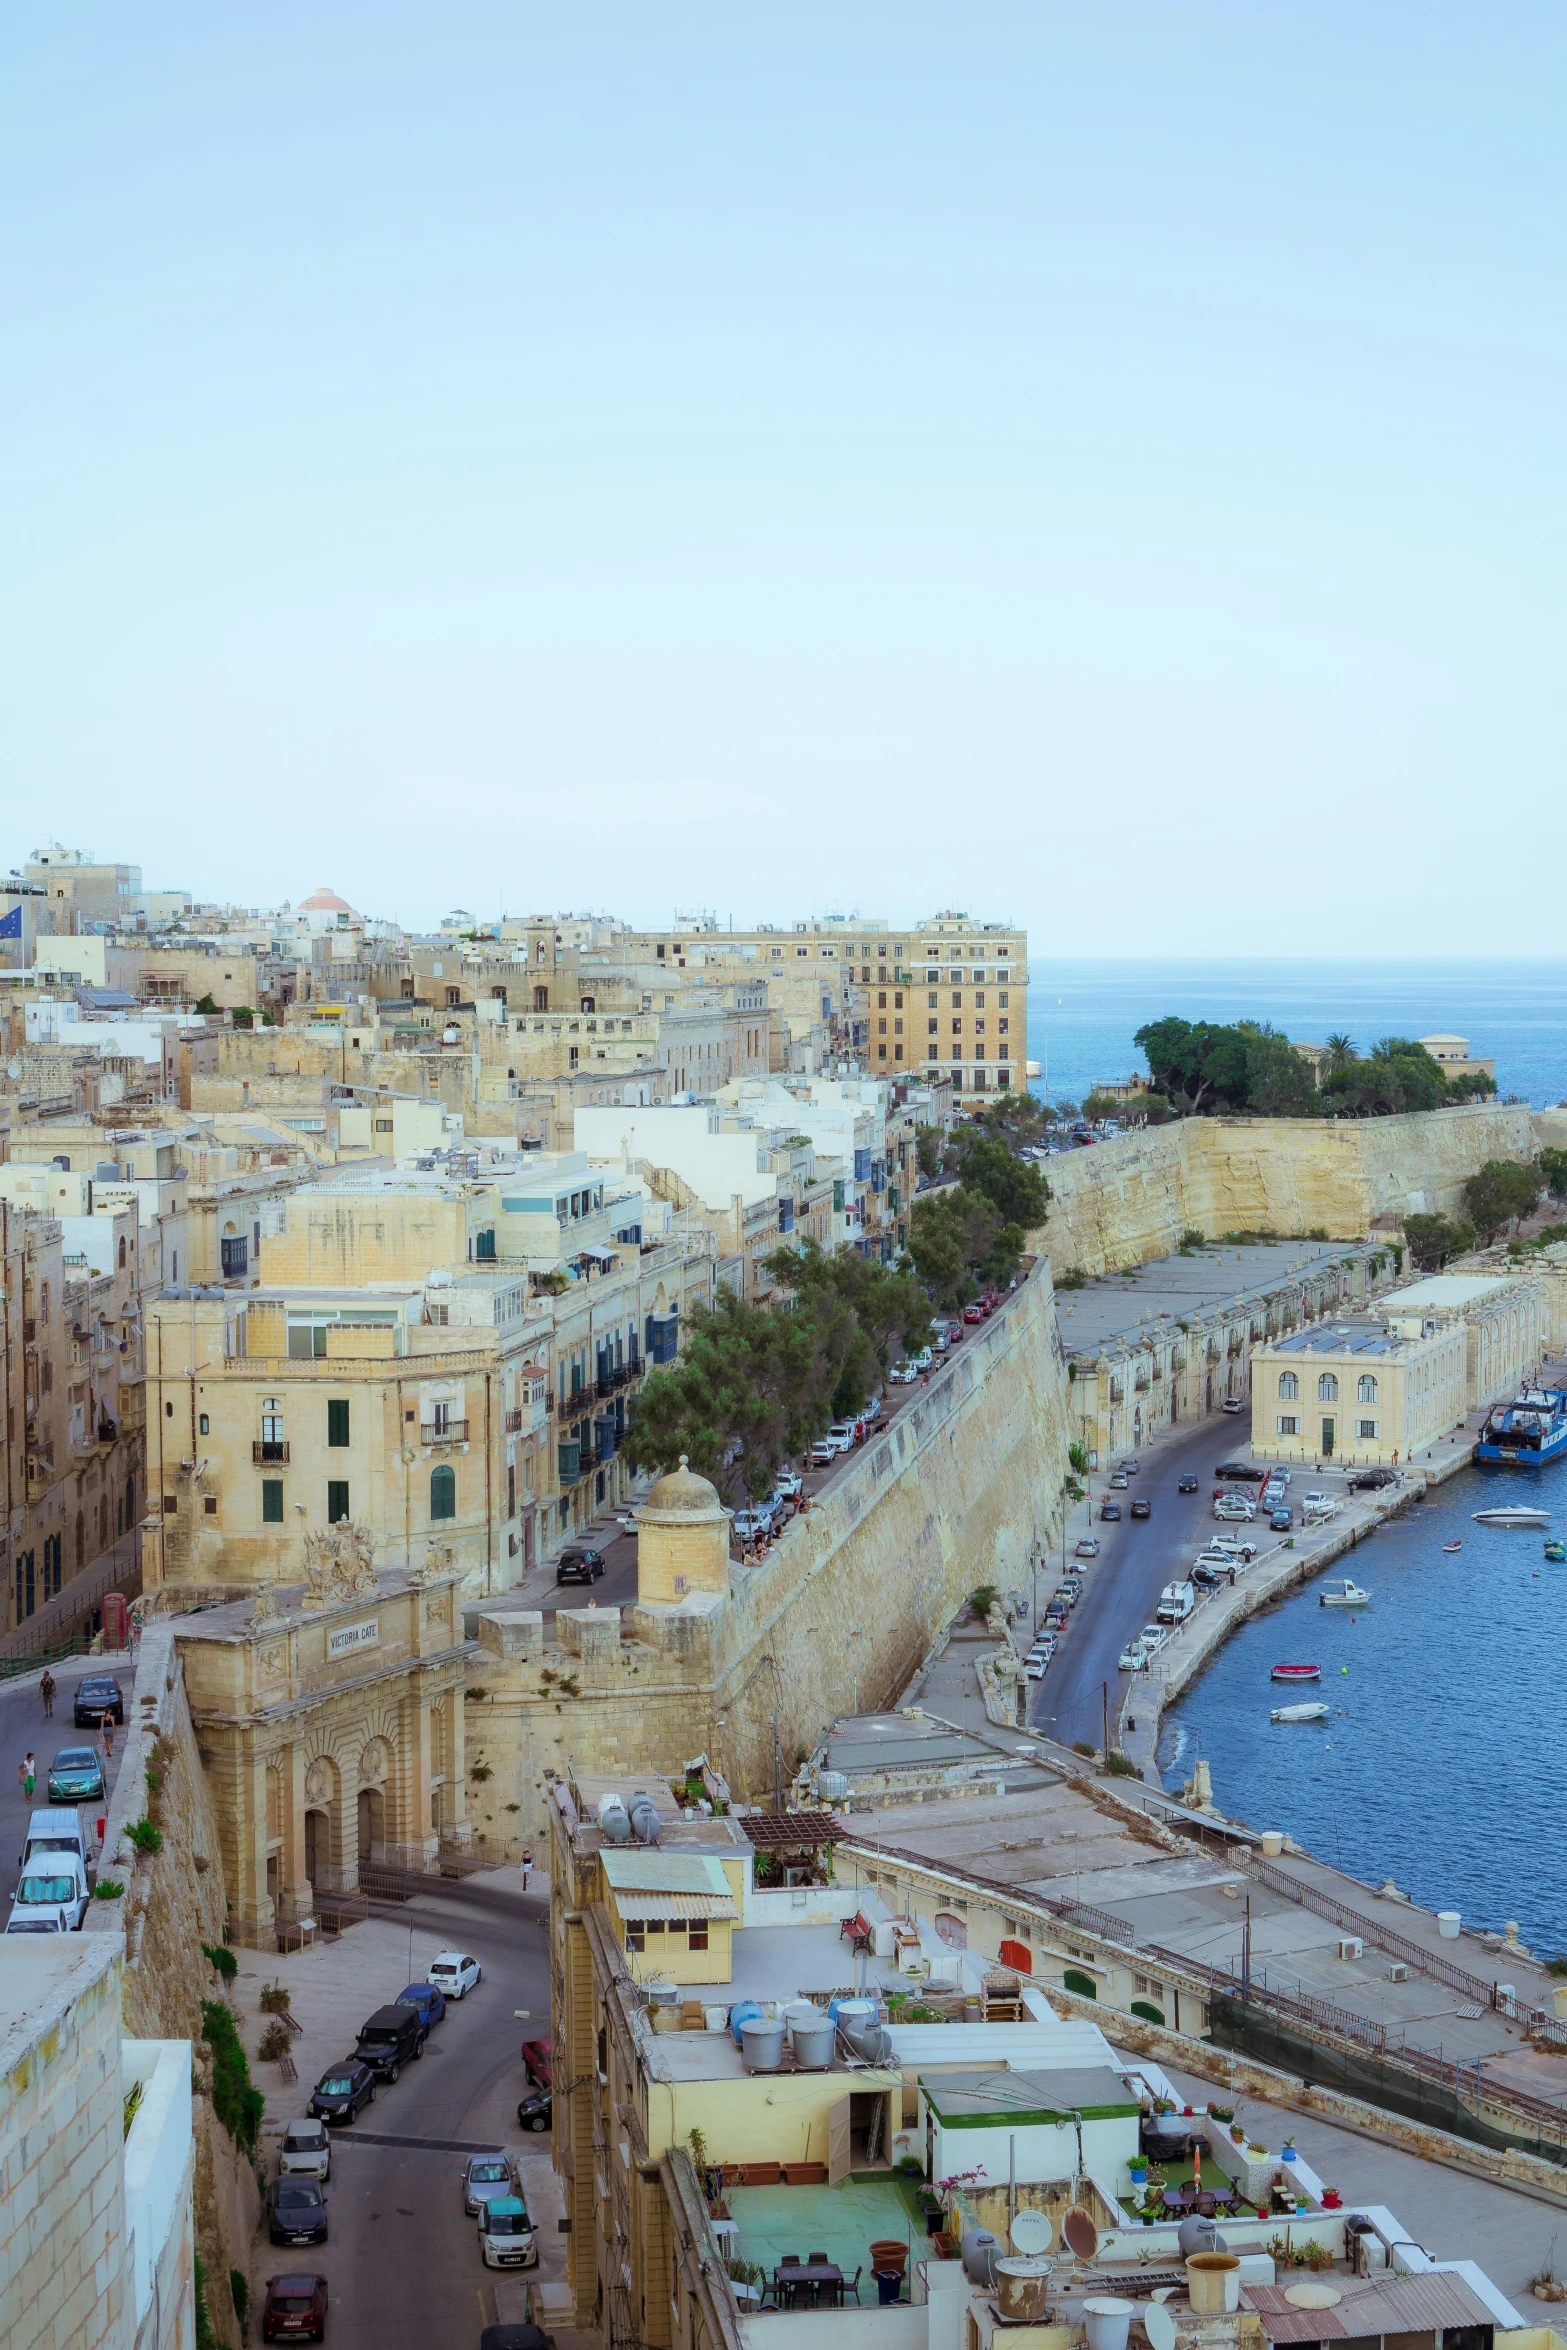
[811, 2283]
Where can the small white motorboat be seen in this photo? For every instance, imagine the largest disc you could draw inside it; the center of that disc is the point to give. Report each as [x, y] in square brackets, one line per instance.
[1344, 1591]
[1298, 1713]
[1514, 1515]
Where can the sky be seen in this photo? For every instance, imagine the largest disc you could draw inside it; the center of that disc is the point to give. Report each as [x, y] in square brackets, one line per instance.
[1101, 468]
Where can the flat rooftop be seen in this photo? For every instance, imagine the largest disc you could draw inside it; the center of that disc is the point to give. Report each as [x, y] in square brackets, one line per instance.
[1358, 1337]
[1120, 1305]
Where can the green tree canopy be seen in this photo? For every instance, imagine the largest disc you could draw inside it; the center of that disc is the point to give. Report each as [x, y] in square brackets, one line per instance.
[1553, 1168]
[1500, 1194]
[1398, 1075]
[1433, 1239]
[889, 1311]
[959, 1241]
[751, 1386]
[1248, 1065]
[1015, 1187]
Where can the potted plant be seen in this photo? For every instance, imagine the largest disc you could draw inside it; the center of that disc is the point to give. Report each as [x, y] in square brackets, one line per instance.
[1138, 2167]
[1332, 2200]
[1287, 2150]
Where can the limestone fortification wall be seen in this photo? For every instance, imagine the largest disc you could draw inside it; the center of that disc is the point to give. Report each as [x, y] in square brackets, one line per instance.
[1125, 1201]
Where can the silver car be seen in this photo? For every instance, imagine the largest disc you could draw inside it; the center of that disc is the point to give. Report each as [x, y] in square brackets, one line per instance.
[485, 2176]
[306, 2152]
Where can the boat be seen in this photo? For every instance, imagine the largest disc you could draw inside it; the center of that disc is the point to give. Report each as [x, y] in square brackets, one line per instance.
[1527, 1433]
[1343, 1592]
[1512, 1516]
[1556, 1549]
[1297, 1672]
[1299, 1713]
[1452, 1546]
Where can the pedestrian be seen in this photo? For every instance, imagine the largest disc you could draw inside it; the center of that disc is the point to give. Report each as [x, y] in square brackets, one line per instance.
[527, 1863]
[46, 1692]
[28, 1775]
[106, 1725]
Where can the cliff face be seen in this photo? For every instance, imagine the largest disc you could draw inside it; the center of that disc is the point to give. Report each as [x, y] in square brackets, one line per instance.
[1123, 1202]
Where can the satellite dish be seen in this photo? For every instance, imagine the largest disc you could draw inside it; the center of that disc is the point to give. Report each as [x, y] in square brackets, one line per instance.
[1159, 2326]
[1032, 2232]
[1313, 2296]
[1080, 2234]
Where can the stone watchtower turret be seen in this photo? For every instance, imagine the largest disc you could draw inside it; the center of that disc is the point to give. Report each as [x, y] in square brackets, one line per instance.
[682, 1540]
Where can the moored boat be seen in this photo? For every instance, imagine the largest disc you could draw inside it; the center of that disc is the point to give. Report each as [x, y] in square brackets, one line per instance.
[1556, 1549]
[1527, 1433]
[1299, 1713]
[1343, 1591]
[1512, 1516]
[1452, 1546]
[1297, 1672]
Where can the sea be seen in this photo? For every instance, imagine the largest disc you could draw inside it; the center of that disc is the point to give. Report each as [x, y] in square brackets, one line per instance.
[1444, 1764]
[1082, 1016]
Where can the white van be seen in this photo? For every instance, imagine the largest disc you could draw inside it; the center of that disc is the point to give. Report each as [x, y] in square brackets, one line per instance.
[1175, 1603]
[50, 1832]
[51, 1898]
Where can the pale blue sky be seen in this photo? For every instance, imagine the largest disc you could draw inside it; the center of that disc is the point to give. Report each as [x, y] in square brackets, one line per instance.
[1099, 466]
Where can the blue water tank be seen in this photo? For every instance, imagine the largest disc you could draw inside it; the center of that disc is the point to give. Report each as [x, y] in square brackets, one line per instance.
[742, 2012]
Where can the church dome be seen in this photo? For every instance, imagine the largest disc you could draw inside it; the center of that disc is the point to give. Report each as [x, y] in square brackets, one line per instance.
[682, 1493]
[324, 901]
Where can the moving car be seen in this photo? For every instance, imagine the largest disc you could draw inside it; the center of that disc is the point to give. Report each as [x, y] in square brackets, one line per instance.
[391, 2038]
[1088, 1548]
[454, 1974]
[1372, 1480]
[76, 1776]
[1118, 1481]
[294, 2310]
[1131, 1464]
[296, 2212]
[506, 2238]
[427, 2002]
[1186, 1482]
[534, 2112]
[1232, 1403]
[1142, 1508]
[484, 2178]
[1110, 1513]
[580, 1566]
[56, 1890]
[97, 1694]
[306, 2152]
[342, 2091]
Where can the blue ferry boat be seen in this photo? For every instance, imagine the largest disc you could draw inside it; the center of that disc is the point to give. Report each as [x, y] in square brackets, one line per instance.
[1528, 1432]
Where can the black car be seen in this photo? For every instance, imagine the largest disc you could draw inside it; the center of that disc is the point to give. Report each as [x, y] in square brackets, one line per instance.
[1110, 1512]
[1280, 1519]
[1372, 1480]
[580, 1566]
[1187, 1481]
[391, 2038]
[534, 2112]
[342, 2091]
[98, 1694]
[296, 2212]
[1142, 1509]
[1205, 1579]
[1238, 1473]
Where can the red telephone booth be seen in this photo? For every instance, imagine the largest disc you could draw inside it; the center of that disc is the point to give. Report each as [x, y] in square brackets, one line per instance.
[116, 1619]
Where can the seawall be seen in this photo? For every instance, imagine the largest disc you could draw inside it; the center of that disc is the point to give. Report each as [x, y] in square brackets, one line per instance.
[1125, 1201]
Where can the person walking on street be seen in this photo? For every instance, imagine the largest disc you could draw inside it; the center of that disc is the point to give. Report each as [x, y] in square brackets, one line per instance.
[106, 1725]
[527, 1863]
[46, 1692]
[28, 1776]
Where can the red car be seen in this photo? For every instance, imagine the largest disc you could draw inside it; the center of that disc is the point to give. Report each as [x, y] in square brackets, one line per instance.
[294, 2310]
[538, 2062]
[975, 1313]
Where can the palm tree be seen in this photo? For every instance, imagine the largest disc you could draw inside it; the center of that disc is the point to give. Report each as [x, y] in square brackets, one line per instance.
[1338, 1052]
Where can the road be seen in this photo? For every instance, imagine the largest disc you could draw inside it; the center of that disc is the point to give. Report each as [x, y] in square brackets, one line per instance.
[402, 2259]
[22, 1725]
[1137, 1559]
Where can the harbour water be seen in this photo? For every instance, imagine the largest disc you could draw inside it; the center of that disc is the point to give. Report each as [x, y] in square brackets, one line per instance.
[1082, 1016]
[1442, 1764]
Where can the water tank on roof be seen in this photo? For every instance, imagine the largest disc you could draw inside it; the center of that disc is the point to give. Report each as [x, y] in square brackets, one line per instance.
[107, 1171]
[761, 2043]
[979, 2252]
[846, 2013]
[613, 1823]
[742, 2013]
[813, 2043]
[643, 1817]
[832, 1786]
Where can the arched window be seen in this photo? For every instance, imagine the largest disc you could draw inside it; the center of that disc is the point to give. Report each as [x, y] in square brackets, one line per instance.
[122, 1252]
[1084, 1985]
[1327, 1388]
[1367, 1390]
[443, 1493]
[1289, 1386]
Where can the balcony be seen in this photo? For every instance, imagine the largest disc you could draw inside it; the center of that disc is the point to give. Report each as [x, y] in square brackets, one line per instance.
[514, 1423]
[568, 1462]
[265, 1451]
[444, 1432]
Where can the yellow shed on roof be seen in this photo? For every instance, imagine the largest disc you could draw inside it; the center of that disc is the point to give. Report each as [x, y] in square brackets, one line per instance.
[674, 1914]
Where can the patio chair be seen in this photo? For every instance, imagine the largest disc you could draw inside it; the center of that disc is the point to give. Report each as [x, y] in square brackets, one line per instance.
[818, 2260]
[851, 2285]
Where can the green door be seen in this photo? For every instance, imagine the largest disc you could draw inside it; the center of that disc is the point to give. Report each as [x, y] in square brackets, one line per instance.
[1327, 1438]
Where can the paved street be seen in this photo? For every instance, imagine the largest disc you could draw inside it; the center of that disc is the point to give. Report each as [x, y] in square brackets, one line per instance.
[22, 1725]
[402, 2260]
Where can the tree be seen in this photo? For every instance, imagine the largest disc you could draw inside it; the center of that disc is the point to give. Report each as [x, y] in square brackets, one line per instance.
[753, 1386]
[927, 1150]
[1065, 1109]
[1337, 1052]
[959, 1242]
[1553, 1167]
[1500, 1194]
[1102, 1105]
[1015, 1187]
[1016, 1117]
[1250, 1065]
[888, 1309]
[1433, 1239]
[1396, 1077]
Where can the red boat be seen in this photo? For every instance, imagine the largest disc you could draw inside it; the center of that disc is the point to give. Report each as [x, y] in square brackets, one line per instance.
[1297, 1672]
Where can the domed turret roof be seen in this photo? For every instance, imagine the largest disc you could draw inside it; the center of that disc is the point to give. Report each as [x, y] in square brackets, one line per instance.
[324, 901]
[683, 1493]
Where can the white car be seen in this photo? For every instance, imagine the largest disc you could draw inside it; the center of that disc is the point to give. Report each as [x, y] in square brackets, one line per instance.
[1239, 1547]
[454, 1974]
[902, 1375]
[788, 1484]
[1034, 1669]
[1316, 1499]
[1133, 1657]
[1232, 1403]
[872, 1410]
[748, 1524]
[506, 2238]
[1088, 1548]
[51, 1898]
[1153, 1637]
[923, 1360]
[307, 2152]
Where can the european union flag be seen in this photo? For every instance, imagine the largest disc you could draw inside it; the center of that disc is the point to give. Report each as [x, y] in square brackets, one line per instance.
[11, 924]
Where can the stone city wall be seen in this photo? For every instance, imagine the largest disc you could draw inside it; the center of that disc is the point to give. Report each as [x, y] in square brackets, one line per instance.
[1125, 1201]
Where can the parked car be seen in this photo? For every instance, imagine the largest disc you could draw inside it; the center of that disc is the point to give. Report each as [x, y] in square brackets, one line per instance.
[454, 1974]
[1153, 1637]
[1316, 1499]
[538, 2062]
[1239, 1547]
[1088, 1548]
[75, 1776]
[97, 1694]
[1187, 1481]
[426, 2000]
[580, 1566]
[751, 1525]
[1110, 1512]
[974, 1313]
[1056, 1613]
[296, 2212]
[391, 2038]
[1238, 1473]
[506, 2238]
[1035, 1667]
[847, 1433]
[55, 1889]
[823, 1453]
[1175, 1603]
[1372, 1480]
[343, 2091]
[294, 2310]
[1234, 1509]
[788, 1484]
[902, 1375]
[1118, 1481]
[534, 2112]
[50, 1833]
[1207, 1578]
[1232, 1403]
[1133, 1657]
[306, 2152]
[1142, 1508]
[1282, 1519]
[484, 2177]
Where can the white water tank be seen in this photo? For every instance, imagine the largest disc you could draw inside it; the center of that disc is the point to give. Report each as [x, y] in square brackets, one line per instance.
[1448, 1921]
[761, 2043]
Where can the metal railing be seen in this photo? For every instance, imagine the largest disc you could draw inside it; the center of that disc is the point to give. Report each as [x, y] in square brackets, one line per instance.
[443, 1432]
[264, 1449]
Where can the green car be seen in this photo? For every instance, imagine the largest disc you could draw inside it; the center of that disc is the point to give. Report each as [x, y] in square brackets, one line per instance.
[76, 1776]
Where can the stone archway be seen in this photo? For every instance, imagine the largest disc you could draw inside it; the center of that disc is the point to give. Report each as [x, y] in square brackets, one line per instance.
[372, 1825]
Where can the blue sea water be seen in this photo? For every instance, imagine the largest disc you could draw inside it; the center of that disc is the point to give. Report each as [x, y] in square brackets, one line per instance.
[1443, 1763]
[1082, 1016]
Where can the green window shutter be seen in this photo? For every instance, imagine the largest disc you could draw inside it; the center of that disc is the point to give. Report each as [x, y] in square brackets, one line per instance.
[337, 1420]
[336, 1500]
[1083, 1985]
[272, 1501]
[443, 1493]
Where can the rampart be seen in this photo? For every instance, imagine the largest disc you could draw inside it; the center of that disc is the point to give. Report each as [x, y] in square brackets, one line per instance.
[1125, 1201]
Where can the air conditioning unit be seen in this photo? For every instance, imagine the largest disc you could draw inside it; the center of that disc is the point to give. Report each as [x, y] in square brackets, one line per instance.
[1398, 1972]
[1350, 1946]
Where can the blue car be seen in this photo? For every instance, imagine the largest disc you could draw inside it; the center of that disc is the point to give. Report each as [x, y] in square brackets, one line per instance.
[76, 1776]
[428, 2003]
